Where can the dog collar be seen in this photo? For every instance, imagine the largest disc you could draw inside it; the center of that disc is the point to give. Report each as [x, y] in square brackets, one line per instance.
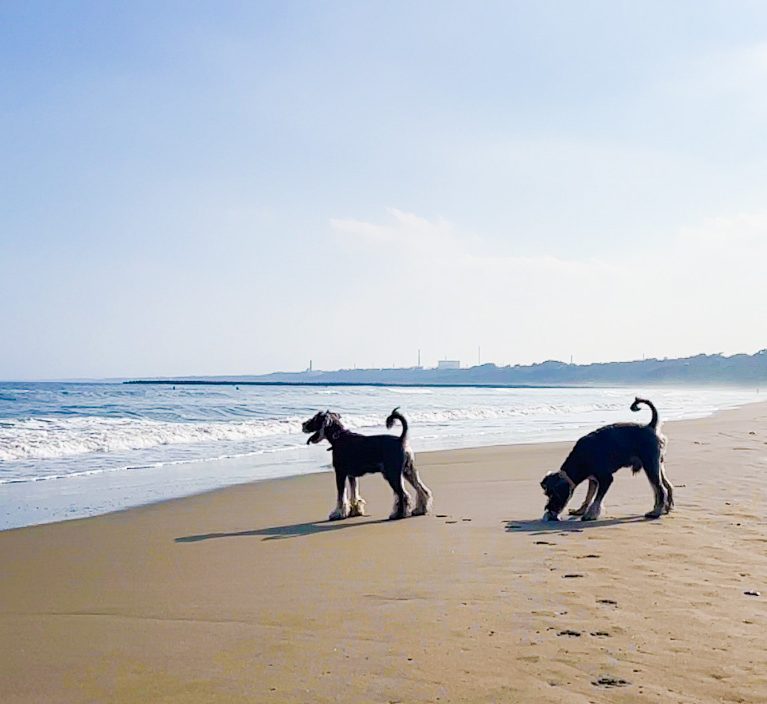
[565, 476]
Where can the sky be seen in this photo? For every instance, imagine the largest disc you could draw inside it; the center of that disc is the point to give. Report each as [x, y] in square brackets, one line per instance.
[236, 188]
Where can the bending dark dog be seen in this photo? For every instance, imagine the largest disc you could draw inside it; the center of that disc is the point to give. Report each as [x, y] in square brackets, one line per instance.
[355, 454]
[598, 455]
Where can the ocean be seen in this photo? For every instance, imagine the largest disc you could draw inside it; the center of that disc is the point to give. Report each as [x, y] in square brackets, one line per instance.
[69, 450]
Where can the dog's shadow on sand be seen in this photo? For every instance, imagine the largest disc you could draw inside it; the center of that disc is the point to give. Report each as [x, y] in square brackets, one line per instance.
[570, 525]
[296, 530]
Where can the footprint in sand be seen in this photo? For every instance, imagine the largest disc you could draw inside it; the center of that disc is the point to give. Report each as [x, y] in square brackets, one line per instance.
[451, 521]
[590, 556]
[570, 633]
[609, 602]
[600, 634]
[441, 515]
[544, 542]
[572, 575]
[610, 682]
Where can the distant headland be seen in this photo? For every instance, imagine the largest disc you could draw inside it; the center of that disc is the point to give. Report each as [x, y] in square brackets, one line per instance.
[714, 369]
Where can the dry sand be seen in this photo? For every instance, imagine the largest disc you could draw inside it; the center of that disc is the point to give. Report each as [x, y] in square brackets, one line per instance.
[238, 596]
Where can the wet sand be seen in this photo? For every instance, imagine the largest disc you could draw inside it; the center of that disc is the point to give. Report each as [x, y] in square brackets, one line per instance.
[248, 595]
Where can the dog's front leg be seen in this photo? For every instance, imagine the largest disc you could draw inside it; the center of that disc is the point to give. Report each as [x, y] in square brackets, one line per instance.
[581, 510]
[342, 508]
[357, 503]
[595, 510]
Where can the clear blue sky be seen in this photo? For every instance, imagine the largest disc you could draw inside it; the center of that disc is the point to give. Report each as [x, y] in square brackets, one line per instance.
[228, 187]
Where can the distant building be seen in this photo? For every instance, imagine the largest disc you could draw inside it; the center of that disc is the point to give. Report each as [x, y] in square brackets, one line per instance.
[449, 364]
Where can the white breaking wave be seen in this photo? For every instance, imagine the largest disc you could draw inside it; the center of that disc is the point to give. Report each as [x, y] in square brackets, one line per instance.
[52, 438]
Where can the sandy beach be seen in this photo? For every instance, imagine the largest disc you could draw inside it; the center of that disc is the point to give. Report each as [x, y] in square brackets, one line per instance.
[247, 595]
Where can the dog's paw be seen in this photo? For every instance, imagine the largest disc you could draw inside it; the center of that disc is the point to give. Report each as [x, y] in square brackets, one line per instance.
[577, 511]
[339, 514]
[655, 513]
[357, 509]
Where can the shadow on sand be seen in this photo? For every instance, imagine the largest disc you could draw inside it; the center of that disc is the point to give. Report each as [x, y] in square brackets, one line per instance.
[570, 525]
[297, 530]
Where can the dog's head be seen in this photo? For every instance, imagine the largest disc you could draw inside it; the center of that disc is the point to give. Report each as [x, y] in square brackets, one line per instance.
[558, 492]
[319, 425]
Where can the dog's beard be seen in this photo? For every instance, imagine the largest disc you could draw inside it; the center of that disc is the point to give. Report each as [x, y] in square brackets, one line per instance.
[317, 437]
[558, 493]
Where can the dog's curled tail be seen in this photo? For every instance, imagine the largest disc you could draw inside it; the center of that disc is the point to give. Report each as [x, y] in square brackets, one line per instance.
[654, 420]
[396, 415]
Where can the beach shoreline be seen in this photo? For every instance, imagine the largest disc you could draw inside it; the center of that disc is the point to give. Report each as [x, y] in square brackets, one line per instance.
[246, 593]
[62, 458]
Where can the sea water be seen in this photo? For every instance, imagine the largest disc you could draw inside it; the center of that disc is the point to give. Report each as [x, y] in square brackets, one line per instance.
[70, 450]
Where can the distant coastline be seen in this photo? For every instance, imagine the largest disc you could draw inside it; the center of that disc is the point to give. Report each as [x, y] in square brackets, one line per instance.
[701, 370]
[378, 384]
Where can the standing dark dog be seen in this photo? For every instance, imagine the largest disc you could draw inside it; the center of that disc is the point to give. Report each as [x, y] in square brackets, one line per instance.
[355, 455]
[598, 455]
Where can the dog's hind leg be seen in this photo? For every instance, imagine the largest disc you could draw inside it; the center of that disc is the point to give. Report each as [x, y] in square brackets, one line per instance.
[342, 508]
[669, 505]
[595, 510]
[584, 507]
[356, 502]
[423, 501]
[653, 471]
[402, 500]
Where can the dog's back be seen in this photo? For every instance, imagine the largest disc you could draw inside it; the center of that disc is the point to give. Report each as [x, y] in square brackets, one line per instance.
[618, 443]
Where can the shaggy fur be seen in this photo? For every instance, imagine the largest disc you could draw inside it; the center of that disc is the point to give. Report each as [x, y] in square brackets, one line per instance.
[601, 453]
[355, 454]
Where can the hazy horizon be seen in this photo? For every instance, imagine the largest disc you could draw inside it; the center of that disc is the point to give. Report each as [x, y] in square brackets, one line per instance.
[467, 365]
[205, 189]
